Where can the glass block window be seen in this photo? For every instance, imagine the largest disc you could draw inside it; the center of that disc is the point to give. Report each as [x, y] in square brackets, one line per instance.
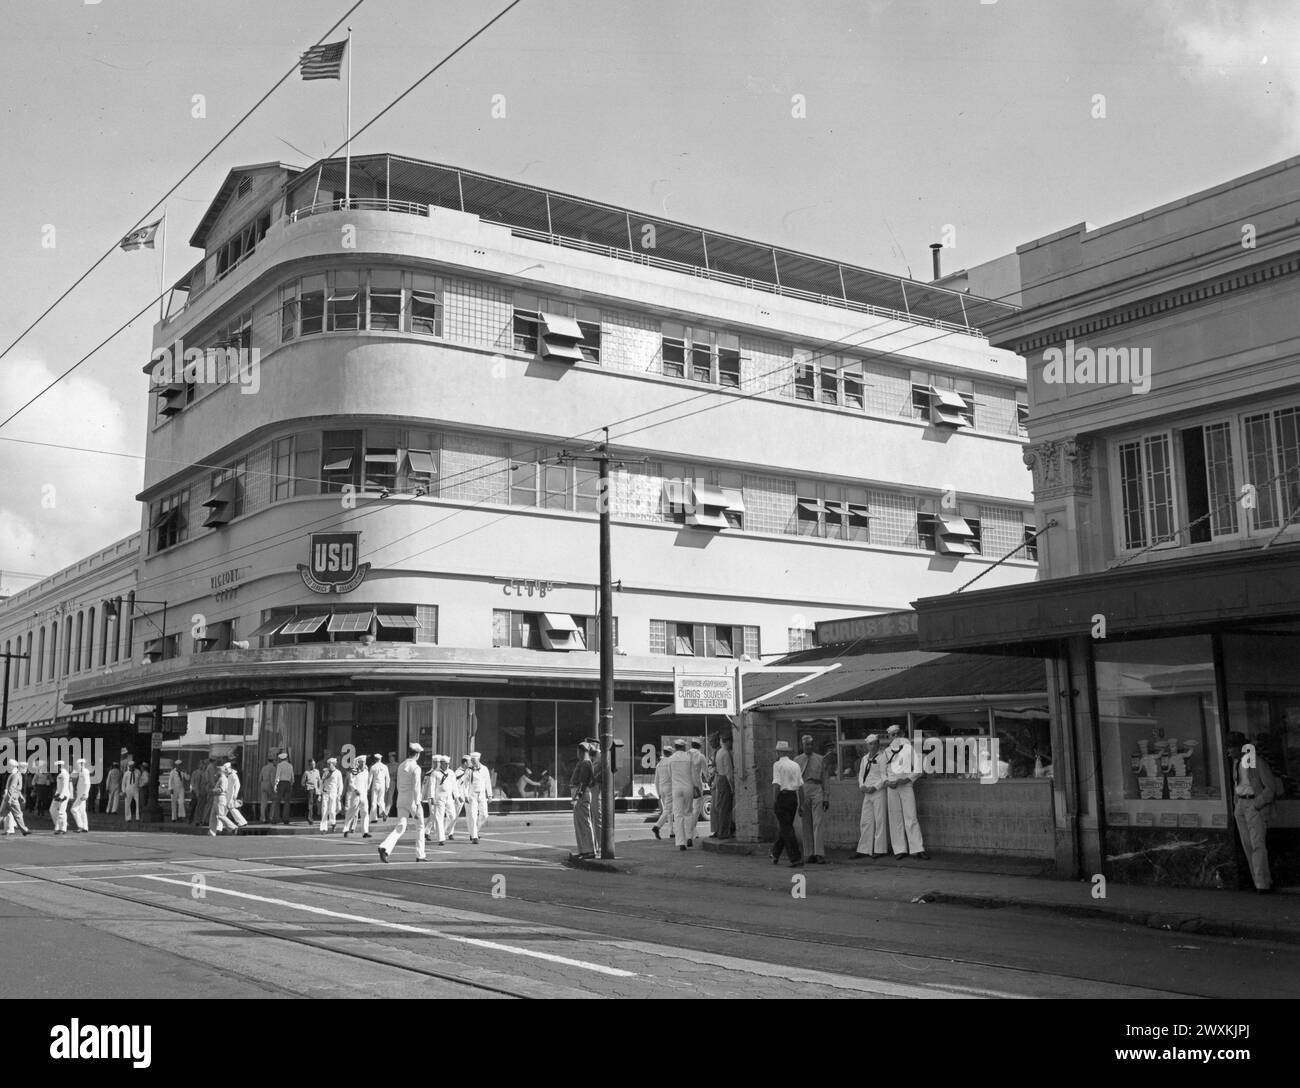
[893, 519]
[474, 469]
[658, 636]
[769, 504]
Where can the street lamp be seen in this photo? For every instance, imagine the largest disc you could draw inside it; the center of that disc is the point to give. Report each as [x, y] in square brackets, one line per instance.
[113, 608]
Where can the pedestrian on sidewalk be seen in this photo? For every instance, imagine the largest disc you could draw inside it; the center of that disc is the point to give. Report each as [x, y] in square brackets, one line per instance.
[114, 787]
[62, 795]
[786, 784]
[580, 789]
[283, 786]
[131, 792]
[686, 786]
[311, 783]
[176, 787]
[664, 788]
[1255, 788]
[408, 805]
[41, 784]
[700, 768]
[219, 795]
[814, 801]
[266, 789]
[598, 764]
[872, 827]
[358, 799]
[477, 786]
[11, 801]
[390, 789]
[145, 781]
[379, 781]
[460, 797]
[724, 791]
[444, 797]
[235, 803]
[80, 795]
[199, 788]
[901, 772]
[331, 792]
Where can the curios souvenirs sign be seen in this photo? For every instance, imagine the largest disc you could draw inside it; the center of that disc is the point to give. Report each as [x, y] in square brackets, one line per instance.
[333, 567]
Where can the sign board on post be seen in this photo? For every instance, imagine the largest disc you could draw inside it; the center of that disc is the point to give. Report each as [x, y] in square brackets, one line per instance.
[696, 694]
[156, 741]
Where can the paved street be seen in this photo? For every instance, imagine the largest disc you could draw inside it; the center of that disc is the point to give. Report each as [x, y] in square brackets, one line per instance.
[314, 915]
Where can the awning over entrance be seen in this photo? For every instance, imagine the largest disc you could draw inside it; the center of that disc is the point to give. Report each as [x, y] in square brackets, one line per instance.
[1161, 596]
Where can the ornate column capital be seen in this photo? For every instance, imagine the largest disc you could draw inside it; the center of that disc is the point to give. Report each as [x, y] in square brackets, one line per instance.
[1060, 467]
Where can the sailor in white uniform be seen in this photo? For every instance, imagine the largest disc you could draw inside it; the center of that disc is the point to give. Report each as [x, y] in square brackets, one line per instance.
[358, 799]
[408, 805]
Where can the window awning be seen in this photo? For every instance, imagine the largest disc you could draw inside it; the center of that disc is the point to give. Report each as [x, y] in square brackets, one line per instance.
[552, 349]
[420, 461]
[709, 495]
[345, 296]
[735, 499]
[388, 457]
[707, 518]
[951, 525]
[224, 493]
[949, 398]
[165, 517]
[558, 621]
[304, 625]
[559, 632]
[153, 646]
[564, 328]
[269, 627]
[387, 619]
[811, 506]
[350, 622]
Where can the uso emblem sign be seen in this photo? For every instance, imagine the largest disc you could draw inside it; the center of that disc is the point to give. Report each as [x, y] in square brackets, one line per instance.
[333, 567]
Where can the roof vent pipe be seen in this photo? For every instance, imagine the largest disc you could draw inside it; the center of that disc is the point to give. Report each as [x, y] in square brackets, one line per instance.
[934, 252]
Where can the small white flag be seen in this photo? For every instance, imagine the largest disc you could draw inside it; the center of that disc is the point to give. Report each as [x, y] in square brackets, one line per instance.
[142, 237]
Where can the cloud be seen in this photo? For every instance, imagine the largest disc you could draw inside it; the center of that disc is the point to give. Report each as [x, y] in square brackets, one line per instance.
[61, 505]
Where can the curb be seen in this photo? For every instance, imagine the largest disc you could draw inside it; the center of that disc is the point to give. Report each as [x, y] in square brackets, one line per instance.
[1181, 923]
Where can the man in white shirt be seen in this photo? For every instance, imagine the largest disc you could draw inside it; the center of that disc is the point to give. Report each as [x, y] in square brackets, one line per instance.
[176, 787]
[814, 801]
[379, 783]
[11, 806]
[724, 770]
[131, 792]
[786, 784]
[901, 771]
[408, 805]
[664, 788]
[283, 787]
[331, 791]
[80, 795]
[872, 827]
[311, 783]
[477, 787]
[700, 766]
[62, 795]
[444, 797]
[686, 782]
[358, 799]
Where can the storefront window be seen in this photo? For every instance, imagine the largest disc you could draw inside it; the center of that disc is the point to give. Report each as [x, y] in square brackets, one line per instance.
[853, 746]
[1024, 738]
[1263, 687]
[959, 744]
[1161, 740]
[517, 739]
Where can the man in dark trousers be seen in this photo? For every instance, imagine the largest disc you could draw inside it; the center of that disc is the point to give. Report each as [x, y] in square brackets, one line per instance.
[724, 771]
[580, 788]
[786, 783]
[1254, 789]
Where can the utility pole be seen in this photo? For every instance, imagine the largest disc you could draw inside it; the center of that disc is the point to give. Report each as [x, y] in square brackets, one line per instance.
[606, 607]
[4, 710]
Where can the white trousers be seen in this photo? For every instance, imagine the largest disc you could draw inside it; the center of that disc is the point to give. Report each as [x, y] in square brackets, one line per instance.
[59, 814]
[873, 828]
[221, 817]
[358, 807]
[131, 798]
[443, 811]
[78, 810]
[666, 815]
[904, 831]
[408, 808]
[114, 796]
[178, 806]
[684, 809]
[377, 809]
[329, 810]
[476, 813]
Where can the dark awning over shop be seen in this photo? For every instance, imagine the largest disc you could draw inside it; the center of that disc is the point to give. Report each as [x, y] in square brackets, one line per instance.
[1162, 596]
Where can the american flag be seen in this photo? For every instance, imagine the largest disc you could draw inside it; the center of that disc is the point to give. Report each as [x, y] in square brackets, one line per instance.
[141, 237]
[323, 61]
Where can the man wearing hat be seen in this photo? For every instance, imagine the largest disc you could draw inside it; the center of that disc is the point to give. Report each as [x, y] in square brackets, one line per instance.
[814, 800]
[580, 783]
[11, 802]
[379, 783]
[80, 795]
[220, 795]
[901, 771]
[872, 834]
[114, 786]
[787, 781]
[311, 783]
[408, 805]
[444, 797]
[201, 785]
[283, 786]
[131, 791]
[176, 787]
[459, 810]
[358, 799]
[62, 795]
[331, 791]
[664, 788]
[477, 787]
[686, 784]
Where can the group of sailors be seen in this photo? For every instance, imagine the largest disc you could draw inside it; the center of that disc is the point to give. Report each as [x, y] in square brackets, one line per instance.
[71, 792]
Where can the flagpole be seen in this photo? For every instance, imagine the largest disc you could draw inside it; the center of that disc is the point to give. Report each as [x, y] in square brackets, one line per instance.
[347, 175]
[162, 273]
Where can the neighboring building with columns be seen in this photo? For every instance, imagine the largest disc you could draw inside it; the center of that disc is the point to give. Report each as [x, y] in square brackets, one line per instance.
[1163, 354]
[374, 534]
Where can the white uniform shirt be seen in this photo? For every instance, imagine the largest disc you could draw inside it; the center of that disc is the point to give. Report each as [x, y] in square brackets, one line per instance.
[683, 772]
[83, 783]
[871, 771]
[175, 783]
[902, 762]
[445, 784]
[283, 772]
[785, 773]
[360, 783]
[311, 780]
[663, 777]
[62, 786]
[378, 778]
[408, 780]
[331, 782]
[478, 781]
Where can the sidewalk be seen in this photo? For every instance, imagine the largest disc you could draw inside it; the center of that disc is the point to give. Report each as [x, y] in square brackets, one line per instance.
[971, 881]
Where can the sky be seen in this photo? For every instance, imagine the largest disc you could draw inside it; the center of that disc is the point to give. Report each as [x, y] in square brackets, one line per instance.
[859, 130]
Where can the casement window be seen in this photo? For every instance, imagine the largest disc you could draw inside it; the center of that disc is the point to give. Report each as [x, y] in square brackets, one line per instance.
[420, 468]
[282, 469]
[728, 366]
[702, 639]
[311, 305]
[169, 520]
[384, 300]
[1031, 542]
[697, 505]
[1022, 419]
[1272, 464]
[226, 495]
[943, 401]
[381, 460]
[242, 243]
[1146, 490]
[426, 305]
[1208, 481]
[289, 310]
[673, 352]
[802, 638]
[526, 334]
[809, 512]
[343, 309]
[554, 631]
[948, 533]
[805, 379]
[340, 461]
[853, 384]
[829, 384]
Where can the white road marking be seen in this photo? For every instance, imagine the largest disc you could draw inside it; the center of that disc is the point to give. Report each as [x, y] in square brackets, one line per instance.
[493, 945]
